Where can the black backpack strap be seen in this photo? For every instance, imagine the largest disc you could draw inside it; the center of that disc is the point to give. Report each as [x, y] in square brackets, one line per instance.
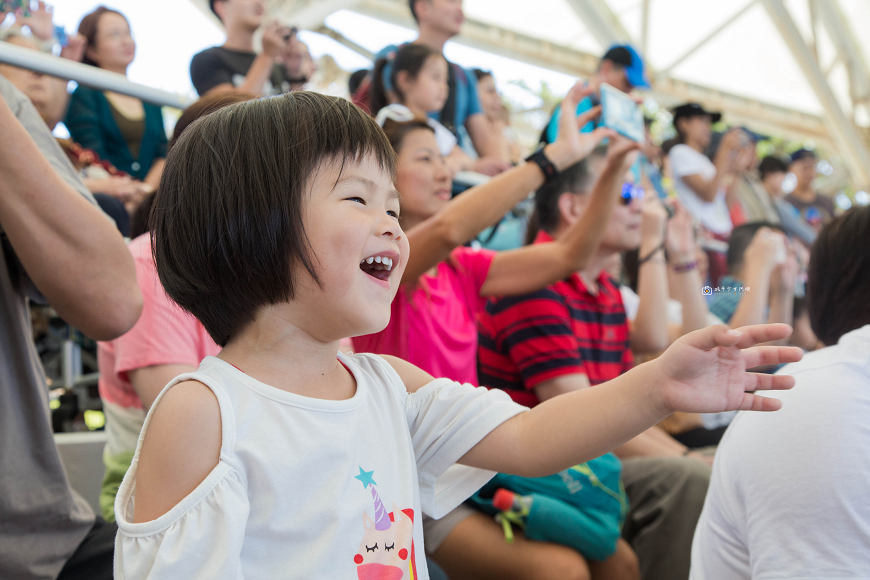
[448, 112]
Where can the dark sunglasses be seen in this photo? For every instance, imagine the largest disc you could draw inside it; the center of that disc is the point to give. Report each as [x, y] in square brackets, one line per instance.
[631, 192]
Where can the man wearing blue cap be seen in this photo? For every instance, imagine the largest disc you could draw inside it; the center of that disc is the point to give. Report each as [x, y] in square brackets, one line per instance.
[621, 67]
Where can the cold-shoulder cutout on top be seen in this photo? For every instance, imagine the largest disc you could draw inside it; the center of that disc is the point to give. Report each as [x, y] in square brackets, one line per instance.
[181, 449]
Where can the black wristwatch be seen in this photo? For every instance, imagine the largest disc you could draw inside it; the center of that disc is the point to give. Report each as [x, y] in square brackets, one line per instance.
[550, 171]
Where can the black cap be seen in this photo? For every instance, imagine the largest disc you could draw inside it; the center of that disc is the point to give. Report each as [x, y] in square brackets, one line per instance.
[802, 154]
[619, 55]
[694, 110]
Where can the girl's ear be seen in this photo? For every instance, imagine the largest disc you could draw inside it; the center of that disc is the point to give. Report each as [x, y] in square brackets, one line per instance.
[403, 82]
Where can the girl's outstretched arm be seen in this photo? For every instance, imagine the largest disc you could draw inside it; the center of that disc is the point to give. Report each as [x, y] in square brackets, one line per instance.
[702, 372]
[531, 268]
[482, 206]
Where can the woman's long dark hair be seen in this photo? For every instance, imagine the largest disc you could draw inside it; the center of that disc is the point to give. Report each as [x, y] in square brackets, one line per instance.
[409, 58]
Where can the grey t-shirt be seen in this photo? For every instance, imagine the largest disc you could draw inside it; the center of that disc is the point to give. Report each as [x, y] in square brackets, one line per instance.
[218, 65]
[42, 520]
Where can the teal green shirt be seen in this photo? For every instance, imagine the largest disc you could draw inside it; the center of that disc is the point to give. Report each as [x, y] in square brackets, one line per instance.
[726, 299]
[92, 126]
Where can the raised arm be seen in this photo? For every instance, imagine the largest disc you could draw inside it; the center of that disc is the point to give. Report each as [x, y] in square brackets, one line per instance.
[702, 372]
[724, 162]
[684, 279]
[482, 206]
[782, 283]
[649, 331]
[533, 267]
[72, 253]
[758, 265]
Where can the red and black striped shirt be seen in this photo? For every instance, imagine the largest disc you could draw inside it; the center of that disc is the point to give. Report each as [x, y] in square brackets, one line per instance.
[563, 329]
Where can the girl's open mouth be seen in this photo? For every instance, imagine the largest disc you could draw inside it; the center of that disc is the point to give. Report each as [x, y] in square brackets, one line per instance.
[377, 267]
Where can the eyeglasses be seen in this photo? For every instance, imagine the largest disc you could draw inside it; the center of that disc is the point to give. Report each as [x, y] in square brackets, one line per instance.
[631, 192]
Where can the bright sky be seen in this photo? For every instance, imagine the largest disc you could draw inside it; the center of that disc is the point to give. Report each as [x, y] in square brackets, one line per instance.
[169, 32]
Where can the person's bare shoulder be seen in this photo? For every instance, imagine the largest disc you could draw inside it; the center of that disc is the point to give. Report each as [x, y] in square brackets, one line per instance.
[181, 447]
[413, 377]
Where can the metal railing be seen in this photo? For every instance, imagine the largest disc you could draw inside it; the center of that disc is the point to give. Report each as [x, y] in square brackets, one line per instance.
[86, 75]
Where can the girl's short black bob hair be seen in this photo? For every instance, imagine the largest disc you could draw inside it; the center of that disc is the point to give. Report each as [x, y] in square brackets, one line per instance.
[838, 282]
[227, 223]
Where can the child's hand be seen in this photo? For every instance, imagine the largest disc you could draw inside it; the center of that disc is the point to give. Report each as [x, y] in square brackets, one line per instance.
[571, 146]
[705, 371]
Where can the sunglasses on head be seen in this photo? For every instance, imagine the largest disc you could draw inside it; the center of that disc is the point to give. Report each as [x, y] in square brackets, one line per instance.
[631, 192]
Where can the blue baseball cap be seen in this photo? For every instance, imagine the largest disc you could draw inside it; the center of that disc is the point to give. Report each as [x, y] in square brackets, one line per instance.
[627, 56]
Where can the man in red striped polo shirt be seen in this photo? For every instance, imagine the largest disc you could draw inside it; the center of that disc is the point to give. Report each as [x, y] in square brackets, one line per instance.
[574, 334]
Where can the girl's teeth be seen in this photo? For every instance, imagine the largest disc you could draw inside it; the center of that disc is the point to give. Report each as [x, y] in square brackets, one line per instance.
[387, 263]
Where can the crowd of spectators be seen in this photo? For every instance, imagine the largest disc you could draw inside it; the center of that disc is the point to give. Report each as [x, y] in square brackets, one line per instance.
[634, 251]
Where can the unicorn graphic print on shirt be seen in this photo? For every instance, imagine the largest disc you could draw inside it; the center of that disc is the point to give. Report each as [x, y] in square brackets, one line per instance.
[386, 551]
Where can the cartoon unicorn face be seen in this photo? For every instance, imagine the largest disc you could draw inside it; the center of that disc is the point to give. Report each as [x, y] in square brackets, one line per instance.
[387, 548]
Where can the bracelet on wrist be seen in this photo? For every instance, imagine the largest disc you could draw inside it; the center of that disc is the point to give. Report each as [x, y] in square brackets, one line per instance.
[547, 167]
[684, 267]
[649, 256]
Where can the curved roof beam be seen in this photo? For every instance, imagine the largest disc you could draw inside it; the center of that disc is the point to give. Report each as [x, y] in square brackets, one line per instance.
[845, 136]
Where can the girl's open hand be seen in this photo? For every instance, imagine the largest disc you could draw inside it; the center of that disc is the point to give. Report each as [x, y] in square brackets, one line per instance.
[571, 145]
[705, 371]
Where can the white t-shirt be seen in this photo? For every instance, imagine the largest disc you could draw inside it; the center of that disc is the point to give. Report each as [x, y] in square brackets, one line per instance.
[788, 496]
[315, 489]
[713, 215]
[446, 140]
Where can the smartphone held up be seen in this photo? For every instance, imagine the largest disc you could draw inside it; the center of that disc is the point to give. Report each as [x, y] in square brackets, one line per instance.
[621, 113]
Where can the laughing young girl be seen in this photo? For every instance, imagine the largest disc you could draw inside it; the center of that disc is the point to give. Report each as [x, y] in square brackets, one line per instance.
[277, 226]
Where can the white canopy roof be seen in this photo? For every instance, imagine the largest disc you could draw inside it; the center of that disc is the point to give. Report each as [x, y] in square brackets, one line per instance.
[794, 68]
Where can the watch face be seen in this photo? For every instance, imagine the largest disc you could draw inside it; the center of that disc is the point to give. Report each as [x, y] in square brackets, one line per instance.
[621, 113]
